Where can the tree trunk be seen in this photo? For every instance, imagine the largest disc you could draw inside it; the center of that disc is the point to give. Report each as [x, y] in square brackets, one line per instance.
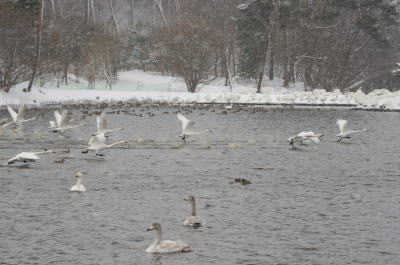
[158, 2]
[93, 14]
[61, 9]
[259, 81]
[114, 19]
[86, 10]
[37, 48]
[273, 19]
[271, 67]
[131, 20]
[53, 9]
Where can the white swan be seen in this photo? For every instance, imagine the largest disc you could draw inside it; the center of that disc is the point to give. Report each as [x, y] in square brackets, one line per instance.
[344, 131]
[304, 136]
[165, 246]
[17, 118]
[28, 156]
[193, 220]
[102, 125]
[98, 142]
[61, 120]
[187, 126]
[78, 187]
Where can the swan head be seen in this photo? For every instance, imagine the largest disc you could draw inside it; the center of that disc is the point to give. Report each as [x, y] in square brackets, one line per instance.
[155, 226]
[189, 198]
[49, 151]
[78, 175]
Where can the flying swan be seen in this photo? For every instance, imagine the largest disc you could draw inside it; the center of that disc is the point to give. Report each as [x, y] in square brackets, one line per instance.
[28, 156]
[165, 246]
[344, 131]
[193, 220]
[304, 136]
[102, 125]
[61, 122]
[98, 142]
[78, 187]
[17, 118]
[187, 126]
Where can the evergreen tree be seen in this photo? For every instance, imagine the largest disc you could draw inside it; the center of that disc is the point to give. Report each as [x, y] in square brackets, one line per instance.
[252, 37]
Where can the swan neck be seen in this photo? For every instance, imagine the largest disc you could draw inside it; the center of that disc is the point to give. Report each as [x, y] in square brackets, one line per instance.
[203, 131]
[193, 207]
[43, 152]
[78, 181]
[120, 142]
[158, 237]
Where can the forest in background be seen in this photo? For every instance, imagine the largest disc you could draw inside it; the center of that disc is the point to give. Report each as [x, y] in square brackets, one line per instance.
[325, 44]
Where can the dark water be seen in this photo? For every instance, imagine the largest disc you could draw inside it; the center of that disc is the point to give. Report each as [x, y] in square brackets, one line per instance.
[332, 203]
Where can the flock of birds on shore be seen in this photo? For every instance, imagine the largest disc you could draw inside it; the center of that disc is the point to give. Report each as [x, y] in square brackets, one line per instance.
[97, 142]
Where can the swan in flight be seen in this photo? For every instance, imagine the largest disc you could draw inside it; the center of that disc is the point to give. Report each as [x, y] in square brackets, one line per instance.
[344, 131]
[187, 126]
[17, 118]
[165, 246]
[78, 186]
[193, 220]
[102, 125]
[98, 142]
[28, 156]
[61, 122]
[304, 136]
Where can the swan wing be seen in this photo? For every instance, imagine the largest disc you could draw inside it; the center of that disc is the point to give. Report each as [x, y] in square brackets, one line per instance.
[98, 139]
[58, 117]
[187, 125]
[101, 122]
[193, 221]
[306, 134]
[167, 246]
[27, 156]
[13, 114]
[315, 139]
[64, 115]
[342, 125]
[21, 112]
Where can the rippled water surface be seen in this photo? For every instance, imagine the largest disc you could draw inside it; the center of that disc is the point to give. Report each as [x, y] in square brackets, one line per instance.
[332, 203]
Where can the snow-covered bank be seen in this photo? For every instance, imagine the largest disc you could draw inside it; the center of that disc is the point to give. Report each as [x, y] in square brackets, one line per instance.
[152, 87]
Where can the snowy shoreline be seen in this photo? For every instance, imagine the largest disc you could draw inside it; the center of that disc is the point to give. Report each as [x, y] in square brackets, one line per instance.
[171, 90]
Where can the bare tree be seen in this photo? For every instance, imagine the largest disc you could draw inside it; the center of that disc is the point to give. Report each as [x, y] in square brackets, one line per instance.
[38, 46]
[111, 4]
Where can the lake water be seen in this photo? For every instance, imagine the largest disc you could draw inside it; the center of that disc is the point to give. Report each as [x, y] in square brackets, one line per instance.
[332, 203]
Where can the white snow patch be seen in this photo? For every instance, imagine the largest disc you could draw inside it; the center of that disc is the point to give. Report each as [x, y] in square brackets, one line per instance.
[150, 86]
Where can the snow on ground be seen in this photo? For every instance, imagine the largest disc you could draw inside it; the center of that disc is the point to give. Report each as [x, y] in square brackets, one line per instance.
[150, 86]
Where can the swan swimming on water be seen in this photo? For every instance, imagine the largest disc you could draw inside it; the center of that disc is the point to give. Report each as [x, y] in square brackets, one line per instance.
[78, 187]
[344, 131]
[28, 156]
[17, 118]
[304, 136]
[102, 125]
[193, 220]
[61, 122]
[187, 126]
[98, 142]
[165, 246]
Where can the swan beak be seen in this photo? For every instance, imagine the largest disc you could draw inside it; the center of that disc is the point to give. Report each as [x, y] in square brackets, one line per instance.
[149, 228]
